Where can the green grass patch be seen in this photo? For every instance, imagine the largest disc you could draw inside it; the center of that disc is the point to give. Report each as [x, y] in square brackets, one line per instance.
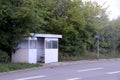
[89, 57]
[4, 67]
[110, 56]
[78, 57]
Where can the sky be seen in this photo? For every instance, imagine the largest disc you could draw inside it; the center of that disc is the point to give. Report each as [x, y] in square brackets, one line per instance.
[113, 7]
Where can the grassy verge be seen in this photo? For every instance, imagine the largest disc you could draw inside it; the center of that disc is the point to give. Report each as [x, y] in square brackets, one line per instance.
[110, 56]
[4, 67]
[76, 58]
[89, 57]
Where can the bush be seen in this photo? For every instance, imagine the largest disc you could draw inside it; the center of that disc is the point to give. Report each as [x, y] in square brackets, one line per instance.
[4, 58]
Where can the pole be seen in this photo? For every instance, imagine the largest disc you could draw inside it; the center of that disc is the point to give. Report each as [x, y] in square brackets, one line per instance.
[98, 48]
[97, 38]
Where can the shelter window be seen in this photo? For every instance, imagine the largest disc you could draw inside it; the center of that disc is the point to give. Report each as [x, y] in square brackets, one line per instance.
[23, 44]
[32, 44]
[51, 44]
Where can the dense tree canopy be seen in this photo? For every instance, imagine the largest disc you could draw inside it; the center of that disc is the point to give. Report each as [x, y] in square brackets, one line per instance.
[77, 21]
[15, 20]
[18, 18]
[111, 37]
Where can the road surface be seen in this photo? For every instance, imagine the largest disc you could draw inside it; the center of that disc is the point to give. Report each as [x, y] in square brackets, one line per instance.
[95, 70]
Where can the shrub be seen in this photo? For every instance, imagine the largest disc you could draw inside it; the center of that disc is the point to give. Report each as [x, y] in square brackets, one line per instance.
[4, 58]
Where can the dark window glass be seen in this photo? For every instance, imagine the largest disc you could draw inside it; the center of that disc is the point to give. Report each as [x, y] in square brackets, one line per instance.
[54, 44]
[32, 44]
[23, 44]
[51, 44]
[48, 44]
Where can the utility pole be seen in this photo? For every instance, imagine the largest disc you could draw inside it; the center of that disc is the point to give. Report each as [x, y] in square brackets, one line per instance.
[98, 43]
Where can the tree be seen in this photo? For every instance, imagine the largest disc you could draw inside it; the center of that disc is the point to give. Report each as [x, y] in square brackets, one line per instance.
[77, 22]
[65, 19]
[111, 37]
[16, 19]
[95, 20]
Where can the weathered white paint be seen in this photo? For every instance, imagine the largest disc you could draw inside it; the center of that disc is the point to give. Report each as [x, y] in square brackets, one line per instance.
[51, 55]
[29, 78]
[46, 35]
[21, 55]
[32, 51]
[91, 69]
[74, 79]
[32, 56]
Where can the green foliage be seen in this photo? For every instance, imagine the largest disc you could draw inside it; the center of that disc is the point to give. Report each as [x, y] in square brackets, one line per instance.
[16, 19]
[77, 21]
[4, 58]
[110, 37]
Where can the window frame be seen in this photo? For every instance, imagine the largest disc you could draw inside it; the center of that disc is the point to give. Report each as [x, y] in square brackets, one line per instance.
[51, 44]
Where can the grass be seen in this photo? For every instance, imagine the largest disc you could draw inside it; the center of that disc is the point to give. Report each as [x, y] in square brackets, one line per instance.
[4, 67]
[110, 56]
[89, 57]
[78, 57]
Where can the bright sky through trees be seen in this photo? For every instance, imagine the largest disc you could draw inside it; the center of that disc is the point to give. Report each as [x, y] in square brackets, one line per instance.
[113, 7]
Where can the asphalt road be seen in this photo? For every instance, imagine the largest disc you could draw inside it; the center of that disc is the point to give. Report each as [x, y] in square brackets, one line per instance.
[92, 70]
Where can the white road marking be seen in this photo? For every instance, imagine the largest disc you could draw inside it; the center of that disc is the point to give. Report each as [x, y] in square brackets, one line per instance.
[115, 72]
[91, 69]
[74, 79]
[28, 78]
